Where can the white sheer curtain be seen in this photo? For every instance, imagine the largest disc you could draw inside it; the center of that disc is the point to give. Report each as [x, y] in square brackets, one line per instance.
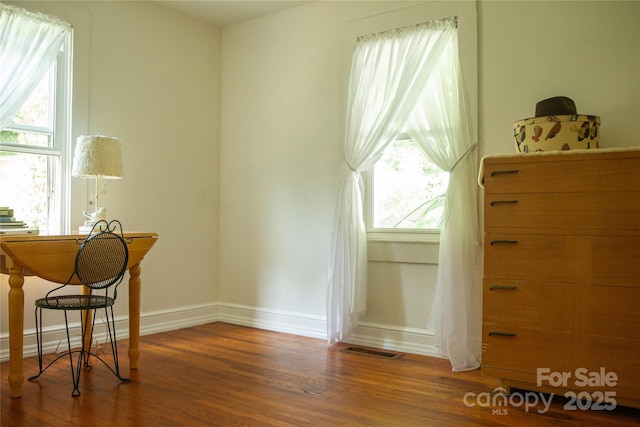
[442, 127]
[29, 43]
[386, 82]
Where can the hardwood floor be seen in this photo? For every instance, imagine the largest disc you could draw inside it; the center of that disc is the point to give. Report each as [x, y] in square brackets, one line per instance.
[226, 375]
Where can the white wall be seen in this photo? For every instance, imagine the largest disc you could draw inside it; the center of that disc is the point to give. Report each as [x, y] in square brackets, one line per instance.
[151, 77]
[282, 101]
[586, 50]
[159, 81]
[283, 83]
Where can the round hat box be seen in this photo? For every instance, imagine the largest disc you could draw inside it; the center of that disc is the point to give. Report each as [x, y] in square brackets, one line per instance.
[555, 133]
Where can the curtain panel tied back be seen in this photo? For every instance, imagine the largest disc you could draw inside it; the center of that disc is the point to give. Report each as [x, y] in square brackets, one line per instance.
[409, 79]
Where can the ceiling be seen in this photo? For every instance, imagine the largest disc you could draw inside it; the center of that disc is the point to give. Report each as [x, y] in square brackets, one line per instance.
[228, 12]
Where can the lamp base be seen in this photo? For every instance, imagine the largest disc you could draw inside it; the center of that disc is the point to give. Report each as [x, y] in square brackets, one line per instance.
[86, 227]
[99, 214]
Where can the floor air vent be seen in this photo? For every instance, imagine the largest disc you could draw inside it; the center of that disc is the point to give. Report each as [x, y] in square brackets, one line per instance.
[385, 354]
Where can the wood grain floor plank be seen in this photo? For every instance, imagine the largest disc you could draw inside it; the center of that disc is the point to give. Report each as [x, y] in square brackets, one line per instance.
[227, 375]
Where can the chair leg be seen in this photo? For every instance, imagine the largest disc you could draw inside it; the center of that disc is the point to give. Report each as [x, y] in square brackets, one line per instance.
[111, 328]
[84, 353]
[40, 349]
[75, 373]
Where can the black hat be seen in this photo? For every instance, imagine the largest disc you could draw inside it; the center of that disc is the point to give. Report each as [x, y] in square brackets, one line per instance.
[556, 106]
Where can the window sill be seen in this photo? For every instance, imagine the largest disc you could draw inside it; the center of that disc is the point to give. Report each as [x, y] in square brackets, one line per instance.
[406, 248]
[398, 236]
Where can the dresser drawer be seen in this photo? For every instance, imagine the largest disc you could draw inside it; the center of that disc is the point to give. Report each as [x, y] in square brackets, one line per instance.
[564, 211]
[618, 355]
[561, 173]
[528, 305]
[611, 311]
[527, 350]
[602, 260]
[615, 261]
[611, 321]
[531, 257]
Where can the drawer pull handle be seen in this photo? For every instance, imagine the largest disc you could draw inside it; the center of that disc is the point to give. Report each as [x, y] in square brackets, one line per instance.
[503, 202]
[502, 288]
[501, 334]
[503, 242]
[511, 171]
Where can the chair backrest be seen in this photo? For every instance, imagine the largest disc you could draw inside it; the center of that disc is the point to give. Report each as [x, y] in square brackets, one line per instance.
[102, 258]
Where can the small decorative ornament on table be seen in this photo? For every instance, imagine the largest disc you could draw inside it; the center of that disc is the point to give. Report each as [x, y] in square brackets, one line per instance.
[556, 127]
[99, 157]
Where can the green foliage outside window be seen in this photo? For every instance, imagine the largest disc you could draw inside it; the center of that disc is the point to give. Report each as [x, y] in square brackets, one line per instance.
[408, 190]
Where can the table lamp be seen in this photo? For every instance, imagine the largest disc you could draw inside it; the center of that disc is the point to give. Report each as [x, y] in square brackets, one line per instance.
[99, 157]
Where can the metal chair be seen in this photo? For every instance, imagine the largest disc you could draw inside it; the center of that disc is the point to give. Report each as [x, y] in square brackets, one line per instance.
[100, 264]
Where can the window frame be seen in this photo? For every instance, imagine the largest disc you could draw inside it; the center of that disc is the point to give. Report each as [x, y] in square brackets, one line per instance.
[60, 130]
[390, 234]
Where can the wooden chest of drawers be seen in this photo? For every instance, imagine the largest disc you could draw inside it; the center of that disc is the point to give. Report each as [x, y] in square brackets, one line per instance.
[562, 270]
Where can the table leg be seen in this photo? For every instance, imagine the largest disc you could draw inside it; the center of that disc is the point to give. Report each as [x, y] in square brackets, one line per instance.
[134, 315]
[87, 319]
[16, 327]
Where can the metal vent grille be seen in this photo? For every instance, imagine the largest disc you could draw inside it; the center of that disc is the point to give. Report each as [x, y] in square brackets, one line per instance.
[385, 354]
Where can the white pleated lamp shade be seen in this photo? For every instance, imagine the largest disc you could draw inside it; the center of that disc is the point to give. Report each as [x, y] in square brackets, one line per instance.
[97, 156]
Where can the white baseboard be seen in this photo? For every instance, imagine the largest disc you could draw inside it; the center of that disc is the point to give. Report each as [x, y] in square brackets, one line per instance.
[396, 338]
[389, 337]
[274, 320]
[178, 318]
[150, 323]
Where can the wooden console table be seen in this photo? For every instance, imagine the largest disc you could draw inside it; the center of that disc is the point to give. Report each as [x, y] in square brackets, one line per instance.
[52, 258]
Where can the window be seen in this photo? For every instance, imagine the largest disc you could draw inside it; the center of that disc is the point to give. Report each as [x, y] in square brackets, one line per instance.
[34, 151]
[387, 187]
[404, 190]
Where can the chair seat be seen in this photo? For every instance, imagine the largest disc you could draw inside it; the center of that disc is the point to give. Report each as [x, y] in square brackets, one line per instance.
[75, 302]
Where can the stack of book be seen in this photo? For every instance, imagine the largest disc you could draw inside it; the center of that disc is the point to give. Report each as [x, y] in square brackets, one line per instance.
[9, 224]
